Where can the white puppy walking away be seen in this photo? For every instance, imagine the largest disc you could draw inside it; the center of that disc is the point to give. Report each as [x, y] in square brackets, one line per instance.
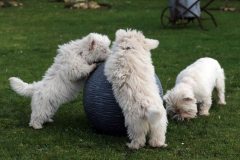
[195, 85]
[130, 71]
[64, 79]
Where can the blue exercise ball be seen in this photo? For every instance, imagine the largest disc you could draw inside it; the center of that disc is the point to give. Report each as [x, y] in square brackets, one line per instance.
[100, 104]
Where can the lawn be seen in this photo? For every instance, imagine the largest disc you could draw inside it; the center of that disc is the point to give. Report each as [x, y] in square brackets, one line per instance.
[30, 35]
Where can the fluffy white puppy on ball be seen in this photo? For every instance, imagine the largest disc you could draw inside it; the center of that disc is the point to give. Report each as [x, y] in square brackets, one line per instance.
[130, 71]
[64, 79]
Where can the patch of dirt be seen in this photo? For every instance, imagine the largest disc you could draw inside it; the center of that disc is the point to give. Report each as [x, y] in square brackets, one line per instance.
[81, 4]
[233, 9]
[9, 3]
[90, 5]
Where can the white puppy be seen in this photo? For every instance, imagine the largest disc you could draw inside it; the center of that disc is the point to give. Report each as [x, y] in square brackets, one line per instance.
[130, 71]
[64, 79]
[195, 85]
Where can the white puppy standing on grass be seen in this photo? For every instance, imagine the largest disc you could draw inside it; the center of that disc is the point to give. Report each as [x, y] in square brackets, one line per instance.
[130, 71]
[64, 79]
[195, 85]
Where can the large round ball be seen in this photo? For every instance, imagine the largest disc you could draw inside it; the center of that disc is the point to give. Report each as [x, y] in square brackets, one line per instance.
[100, 104]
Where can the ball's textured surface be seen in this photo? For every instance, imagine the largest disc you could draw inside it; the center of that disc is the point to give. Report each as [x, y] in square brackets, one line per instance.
[100, 104]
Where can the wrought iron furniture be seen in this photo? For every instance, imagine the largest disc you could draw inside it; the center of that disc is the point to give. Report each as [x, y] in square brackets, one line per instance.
[184, 11]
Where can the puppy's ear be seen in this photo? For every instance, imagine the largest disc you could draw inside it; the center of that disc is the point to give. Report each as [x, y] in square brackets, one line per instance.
[188, 98]
[92, 44]
[151, 43]
[165, 97]
[120, 33]
[91, 41]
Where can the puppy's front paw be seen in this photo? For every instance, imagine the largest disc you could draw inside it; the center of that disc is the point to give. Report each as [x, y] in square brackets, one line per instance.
[133, 145]
[222, 102]
[156, 144]
[93, 66]
[204, 113]
[36, 126]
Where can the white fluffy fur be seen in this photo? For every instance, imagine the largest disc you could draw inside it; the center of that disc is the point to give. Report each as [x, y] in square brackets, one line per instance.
[64, 79]
[130, 71]
[195, 85]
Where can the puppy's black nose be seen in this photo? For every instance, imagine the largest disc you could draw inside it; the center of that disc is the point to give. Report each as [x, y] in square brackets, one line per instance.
[128, 48]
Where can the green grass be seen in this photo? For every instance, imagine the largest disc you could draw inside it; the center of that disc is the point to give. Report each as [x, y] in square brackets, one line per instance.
[29, 36]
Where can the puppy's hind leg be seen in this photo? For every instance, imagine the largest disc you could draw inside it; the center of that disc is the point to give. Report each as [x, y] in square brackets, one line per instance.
[220, 87]
[158, 130]
[42, 112]
[137, 131]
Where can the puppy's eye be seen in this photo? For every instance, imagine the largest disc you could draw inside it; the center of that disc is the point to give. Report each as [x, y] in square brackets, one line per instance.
[104, 51]
[129, 48]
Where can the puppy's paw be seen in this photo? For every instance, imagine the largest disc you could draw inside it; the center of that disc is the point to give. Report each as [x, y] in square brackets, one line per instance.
[35, 125]
[133, 145]
[222, 102]
[204, 113]
[157, 144]
[93, 66]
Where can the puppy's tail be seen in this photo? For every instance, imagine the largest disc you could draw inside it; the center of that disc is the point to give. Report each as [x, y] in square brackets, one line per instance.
[21, 87]
[154, 115]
